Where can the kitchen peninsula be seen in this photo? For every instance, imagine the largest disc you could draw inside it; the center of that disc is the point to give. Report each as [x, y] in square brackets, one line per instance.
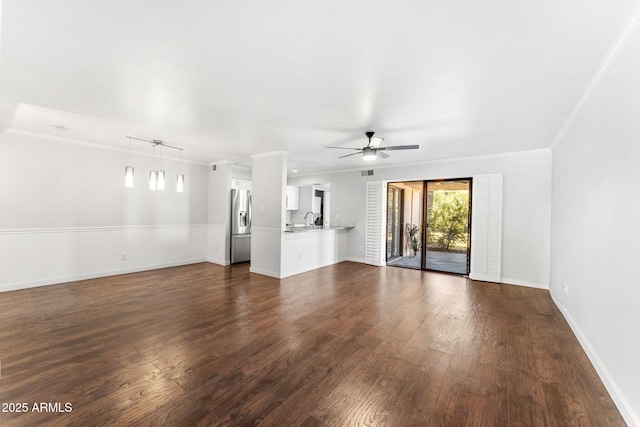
[308, 248]
[278, 249]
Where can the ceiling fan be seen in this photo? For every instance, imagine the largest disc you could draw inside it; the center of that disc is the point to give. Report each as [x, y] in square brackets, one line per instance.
[372, 150]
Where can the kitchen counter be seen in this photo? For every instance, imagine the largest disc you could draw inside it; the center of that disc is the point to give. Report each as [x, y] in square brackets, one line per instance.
[315, 228]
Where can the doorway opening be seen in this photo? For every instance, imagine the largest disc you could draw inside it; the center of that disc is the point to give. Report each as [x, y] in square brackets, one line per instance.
[428, 225]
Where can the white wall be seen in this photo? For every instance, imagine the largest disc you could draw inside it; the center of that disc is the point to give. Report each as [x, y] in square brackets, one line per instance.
[526, 205]
[65, 213]
[269, 182]
[595, 228]
[219, 214]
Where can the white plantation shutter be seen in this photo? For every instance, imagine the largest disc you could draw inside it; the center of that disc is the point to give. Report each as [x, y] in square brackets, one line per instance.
[374, 238]
[486, 228]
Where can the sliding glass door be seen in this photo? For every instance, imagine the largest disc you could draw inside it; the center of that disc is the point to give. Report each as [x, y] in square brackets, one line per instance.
[428, 225]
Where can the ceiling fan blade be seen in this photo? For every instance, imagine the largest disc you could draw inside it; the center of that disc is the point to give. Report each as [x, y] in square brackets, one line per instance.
[376, 141]
[345, 148]
[400, 147]
[383, 155]
[347, 155]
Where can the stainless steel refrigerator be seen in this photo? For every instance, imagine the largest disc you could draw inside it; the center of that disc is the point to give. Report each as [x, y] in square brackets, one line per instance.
[240, 226]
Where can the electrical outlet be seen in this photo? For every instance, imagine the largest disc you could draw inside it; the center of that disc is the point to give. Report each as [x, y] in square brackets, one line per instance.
[123, 256]
[337, 217]
[565, 288]
[361, 249]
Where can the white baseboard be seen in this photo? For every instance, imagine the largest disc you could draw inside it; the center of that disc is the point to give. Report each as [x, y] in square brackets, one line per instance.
[221, 262]
[484, 278]
[96, 275]
[264, 272]
[525, 283]
[630, 417]
[506, 281]
[305, 270]
[354, 259]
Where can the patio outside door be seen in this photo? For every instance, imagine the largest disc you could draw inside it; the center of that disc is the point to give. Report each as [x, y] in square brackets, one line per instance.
[446, 235]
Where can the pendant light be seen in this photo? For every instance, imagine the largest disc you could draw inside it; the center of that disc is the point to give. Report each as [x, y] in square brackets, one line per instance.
[160, 174]
[157, 177]
[152, 180]
[180, 184]
[160, 180]
[152, 173]
[128, 170]
[180, 181]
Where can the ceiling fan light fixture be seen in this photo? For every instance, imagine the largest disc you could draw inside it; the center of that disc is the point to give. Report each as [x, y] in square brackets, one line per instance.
[369, 154]
[370, 151]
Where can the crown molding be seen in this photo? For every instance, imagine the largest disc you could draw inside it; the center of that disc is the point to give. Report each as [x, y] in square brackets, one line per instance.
[270, 153]
[425, 162]
[618, 46]
[222, 162]
[67, 140]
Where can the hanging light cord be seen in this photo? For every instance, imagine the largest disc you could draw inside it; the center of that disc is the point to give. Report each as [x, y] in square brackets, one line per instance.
[156, 142]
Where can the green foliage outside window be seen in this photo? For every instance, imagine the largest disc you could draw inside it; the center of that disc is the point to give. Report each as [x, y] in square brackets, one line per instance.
[448, 224]
[414, 243]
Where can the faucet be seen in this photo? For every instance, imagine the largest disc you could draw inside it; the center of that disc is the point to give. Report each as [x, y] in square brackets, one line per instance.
[305, 217]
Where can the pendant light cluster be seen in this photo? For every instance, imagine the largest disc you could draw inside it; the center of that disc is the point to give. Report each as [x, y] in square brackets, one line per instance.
[156, 176]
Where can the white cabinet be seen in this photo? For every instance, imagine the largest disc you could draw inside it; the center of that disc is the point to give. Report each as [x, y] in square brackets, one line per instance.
[241, 184]
[293, 198]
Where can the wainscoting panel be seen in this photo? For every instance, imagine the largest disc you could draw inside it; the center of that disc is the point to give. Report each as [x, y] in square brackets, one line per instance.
[265, 251]
[310, 250]
[36, 257]
[218, 245]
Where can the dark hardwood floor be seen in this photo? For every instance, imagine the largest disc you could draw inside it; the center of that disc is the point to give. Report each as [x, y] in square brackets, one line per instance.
[348, 344]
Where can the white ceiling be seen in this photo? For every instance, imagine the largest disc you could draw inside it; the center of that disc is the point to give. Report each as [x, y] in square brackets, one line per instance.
[228, 79]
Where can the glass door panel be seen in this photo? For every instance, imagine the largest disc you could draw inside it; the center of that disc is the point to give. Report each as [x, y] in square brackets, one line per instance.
[405, 206]
[448, 215]
[394, 222]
